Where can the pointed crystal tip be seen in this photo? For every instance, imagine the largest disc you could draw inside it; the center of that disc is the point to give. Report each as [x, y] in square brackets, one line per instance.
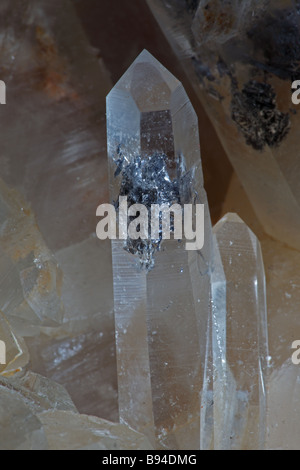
[149, 83]
[230, 217]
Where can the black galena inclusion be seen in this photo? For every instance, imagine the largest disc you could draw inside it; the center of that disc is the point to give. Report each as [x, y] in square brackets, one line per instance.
[255, 112]
[147, 181]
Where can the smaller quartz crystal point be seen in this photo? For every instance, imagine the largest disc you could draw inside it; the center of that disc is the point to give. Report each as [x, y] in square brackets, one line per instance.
[161, 289]
[240, 343]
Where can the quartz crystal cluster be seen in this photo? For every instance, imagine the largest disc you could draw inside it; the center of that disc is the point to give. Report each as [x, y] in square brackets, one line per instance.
[156, 346]
[189, 375]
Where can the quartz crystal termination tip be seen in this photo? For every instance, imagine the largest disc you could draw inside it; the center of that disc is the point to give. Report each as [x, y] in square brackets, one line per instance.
[161, 290]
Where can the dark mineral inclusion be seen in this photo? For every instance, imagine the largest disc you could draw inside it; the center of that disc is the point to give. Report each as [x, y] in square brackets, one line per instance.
[147, 181]
[255, 112]
[271, 46]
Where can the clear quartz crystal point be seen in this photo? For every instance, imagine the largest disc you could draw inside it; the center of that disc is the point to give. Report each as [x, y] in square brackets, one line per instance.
[240, 343]
[161, 290]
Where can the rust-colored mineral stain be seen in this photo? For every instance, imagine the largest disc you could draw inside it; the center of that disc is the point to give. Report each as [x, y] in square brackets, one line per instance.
[44, 281]
[52, 73]
[26, 211]
[222, 19]
[18, 252]
[11, 373]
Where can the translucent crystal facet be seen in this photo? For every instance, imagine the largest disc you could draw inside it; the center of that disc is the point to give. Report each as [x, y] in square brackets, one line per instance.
[161, 290]
[19, 427]
[66, 430]
[39, 393]
[38, 414]
[29, 274]
[240, 342]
